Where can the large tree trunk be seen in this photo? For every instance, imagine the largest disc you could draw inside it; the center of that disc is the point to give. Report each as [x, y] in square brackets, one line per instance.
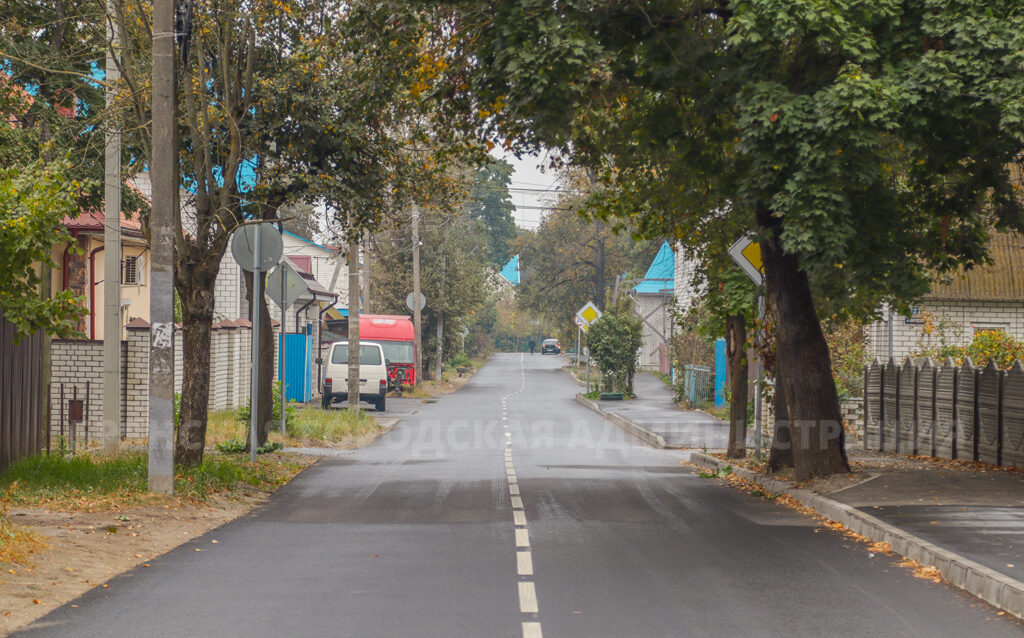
[195, 289]
[735, 351]
[781, 454]
[804, 367]
[265, 394]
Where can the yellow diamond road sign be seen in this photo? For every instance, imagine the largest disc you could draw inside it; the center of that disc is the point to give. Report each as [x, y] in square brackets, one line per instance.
[747, 253]
[589, 314]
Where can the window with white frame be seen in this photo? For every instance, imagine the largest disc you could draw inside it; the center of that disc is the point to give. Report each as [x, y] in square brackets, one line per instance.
[978, 326]
[130, 271]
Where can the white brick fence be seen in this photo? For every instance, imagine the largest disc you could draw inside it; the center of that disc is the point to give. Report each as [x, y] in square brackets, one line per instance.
[79, 364]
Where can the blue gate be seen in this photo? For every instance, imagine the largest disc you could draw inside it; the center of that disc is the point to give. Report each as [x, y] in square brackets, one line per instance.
[298, 367]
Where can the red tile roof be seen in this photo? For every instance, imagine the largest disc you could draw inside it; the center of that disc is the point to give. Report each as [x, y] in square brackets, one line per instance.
[92, 221]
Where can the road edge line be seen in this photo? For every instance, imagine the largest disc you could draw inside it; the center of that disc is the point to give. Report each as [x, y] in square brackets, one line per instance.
[997, 589]
[642, 433]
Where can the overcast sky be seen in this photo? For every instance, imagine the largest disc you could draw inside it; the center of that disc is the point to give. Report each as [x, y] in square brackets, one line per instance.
[531, 190]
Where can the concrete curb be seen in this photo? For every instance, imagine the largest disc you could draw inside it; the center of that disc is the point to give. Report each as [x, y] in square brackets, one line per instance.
[645, 435]
[573, 376]
[995, 588]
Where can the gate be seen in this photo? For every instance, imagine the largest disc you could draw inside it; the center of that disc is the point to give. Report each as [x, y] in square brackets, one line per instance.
[697, 385]
[22, 395]
[298, 367]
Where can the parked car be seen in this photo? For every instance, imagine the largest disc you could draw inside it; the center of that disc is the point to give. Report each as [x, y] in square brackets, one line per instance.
[373, 374]
[550, 345]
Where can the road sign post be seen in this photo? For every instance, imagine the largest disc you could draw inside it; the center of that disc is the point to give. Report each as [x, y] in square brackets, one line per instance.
[747, 254]
[256, 248]
[284, 286]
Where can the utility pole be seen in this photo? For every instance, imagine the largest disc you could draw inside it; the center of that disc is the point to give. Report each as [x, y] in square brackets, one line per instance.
[112, 248]
[440, 345]
[353, 325]
[161, 289]
[366, 272]
[417, 316]
[439, 305]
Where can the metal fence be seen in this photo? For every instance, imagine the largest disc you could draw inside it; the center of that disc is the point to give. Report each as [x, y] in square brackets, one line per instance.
[23, 395]
[698, 388]
[954, 412]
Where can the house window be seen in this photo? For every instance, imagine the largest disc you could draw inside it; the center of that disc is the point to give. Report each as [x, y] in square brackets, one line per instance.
[981, 327]
[130, 271]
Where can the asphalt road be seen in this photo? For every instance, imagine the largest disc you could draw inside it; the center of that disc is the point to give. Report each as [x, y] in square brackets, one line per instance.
[506, 509]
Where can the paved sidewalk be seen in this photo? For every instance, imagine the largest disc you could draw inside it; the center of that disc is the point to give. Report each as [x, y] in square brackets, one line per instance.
[965, 519]
[654, 410]
[973, 509]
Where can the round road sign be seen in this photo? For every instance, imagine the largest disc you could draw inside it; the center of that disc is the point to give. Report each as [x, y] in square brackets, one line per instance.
[243, 246]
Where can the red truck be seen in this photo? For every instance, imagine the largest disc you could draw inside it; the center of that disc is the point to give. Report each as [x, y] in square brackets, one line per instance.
[395, 333]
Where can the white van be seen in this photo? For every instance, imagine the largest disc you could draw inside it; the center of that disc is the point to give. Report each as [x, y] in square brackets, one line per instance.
[373, 374]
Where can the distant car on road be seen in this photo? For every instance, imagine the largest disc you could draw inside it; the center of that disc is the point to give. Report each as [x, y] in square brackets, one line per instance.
[373, 374]
[550, 345]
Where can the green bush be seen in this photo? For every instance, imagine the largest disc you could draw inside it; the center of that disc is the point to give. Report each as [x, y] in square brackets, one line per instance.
[994, 345]
[244, 414]
[987, 345]
[614, 342]
[460, 361]
[237, 446]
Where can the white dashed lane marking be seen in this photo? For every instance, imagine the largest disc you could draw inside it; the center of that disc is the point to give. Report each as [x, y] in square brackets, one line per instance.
[524, 563]
[522, 538]
[528, 598]
[524, 557]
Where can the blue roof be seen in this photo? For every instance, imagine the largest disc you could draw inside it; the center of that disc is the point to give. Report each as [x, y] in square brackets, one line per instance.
[660, 277]
[511, 270]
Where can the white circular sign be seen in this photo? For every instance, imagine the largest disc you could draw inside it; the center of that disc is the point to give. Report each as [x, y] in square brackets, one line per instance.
[423, 301]
[243, 246]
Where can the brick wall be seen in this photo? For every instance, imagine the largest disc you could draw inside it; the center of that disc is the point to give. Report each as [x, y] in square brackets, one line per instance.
[964, 317]
[76, 362]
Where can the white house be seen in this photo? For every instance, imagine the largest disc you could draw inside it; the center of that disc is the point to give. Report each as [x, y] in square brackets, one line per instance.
[983, 298]
[654, 305]
[326, 267]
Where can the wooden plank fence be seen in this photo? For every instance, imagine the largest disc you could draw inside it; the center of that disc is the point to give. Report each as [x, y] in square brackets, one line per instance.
[967, 412]
[22, 395]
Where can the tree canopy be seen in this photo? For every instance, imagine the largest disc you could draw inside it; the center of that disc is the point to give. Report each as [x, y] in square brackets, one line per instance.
[867, 144]
[490, 202]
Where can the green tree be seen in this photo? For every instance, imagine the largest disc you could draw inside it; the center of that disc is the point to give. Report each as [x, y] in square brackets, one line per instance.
[34, 200]
[454, 275]
[572, 259]
[730, 305]
[281, 102]
[614, 341]
[490, 202]
[866, 143]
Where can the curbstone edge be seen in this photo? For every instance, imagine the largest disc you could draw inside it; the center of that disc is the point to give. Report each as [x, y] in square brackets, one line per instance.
[642, 433]
[995, 588]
